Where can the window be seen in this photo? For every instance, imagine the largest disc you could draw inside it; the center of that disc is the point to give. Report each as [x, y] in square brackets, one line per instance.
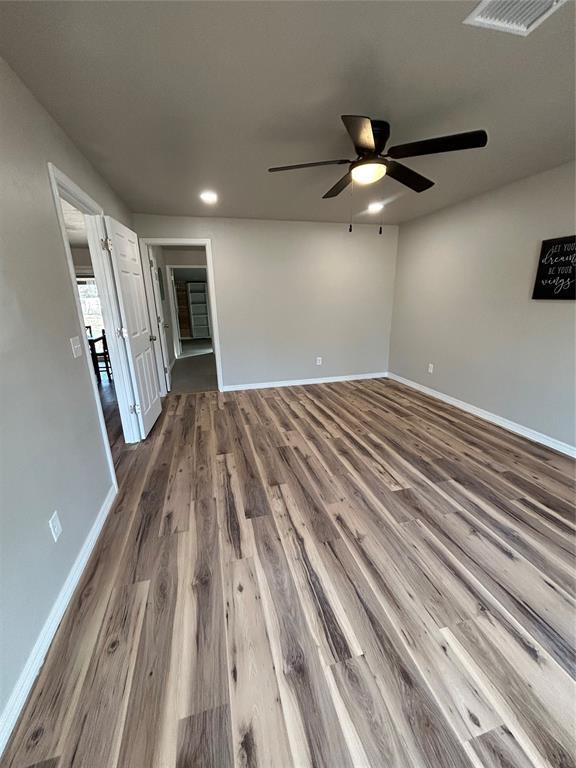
[90, 303]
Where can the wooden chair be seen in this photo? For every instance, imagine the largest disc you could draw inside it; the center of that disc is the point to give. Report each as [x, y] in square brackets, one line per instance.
[104, 357]
[100, 359]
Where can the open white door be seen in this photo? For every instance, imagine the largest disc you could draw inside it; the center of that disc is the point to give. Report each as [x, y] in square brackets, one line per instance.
[173, 301]
[129, 278]
[160, 317]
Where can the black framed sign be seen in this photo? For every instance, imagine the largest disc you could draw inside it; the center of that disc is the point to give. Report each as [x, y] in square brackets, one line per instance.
[556, 276]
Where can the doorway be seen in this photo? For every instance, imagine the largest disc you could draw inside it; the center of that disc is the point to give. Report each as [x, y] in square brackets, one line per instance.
[182, 280]
[114, 336]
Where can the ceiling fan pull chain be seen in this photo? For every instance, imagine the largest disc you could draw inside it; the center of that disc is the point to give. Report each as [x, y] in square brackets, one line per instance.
[351, 205]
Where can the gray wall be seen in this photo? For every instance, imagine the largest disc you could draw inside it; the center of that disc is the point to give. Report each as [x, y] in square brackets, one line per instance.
[287, 292]
[462, 301]
[51, 453]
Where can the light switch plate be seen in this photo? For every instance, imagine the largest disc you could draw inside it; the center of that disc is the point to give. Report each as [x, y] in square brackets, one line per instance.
[76, 346]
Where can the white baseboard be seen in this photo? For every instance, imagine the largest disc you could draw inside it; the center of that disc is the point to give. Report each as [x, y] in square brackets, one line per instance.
[15, 703]
[512, 426]
[302, 382]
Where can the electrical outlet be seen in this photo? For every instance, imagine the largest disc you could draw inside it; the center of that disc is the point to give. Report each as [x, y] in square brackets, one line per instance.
[318, 361]
[430, 367]
[76, 346]
[55, 526]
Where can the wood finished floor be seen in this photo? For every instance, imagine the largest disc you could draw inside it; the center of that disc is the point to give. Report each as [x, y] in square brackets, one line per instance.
[333, 575]
[107, 394]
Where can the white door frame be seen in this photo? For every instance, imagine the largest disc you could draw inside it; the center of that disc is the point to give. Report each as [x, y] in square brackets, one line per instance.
[207, 244]
[63, 187]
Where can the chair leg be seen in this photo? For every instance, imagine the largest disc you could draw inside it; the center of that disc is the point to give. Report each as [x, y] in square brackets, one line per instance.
[95, 363]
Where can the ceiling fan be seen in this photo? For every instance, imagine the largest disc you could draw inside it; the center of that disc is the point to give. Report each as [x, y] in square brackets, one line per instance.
[369, 138]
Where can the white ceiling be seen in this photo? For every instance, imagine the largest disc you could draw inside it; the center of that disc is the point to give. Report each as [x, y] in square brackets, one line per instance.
[169, 98]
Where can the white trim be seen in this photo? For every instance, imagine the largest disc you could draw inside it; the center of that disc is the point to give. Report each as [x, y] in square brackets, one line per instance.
[511, 426]
[21, 690]
[211, 279]
[302, 382]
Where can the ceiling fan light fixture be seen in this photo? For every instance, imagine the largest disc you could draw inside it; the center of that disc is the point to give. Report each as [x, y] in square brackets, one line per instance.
[368, 171]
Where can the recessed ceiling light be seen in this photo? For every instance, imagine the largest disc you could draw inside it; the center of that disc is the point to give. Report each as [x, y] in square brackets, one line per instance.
[209, 197]
[375, 207]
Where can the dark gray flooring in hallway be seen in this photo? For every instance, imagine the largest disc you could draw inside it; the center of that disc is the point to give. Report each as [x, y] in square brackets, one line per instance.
[194, 374]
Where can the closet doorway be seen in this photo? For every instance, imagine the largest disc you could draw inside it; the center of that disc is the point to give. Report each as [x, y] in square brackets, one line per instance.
[186, 303]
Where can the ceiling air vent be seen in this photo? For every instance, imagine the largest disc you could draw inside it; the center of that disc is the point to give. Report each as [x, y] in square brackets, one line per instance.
[519, 17]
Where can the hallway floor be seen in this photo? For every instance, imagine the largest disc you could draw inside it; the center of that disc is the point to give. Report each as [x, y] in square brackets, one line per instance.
[196, 347]
[109, 402]
[195, 373]
[337, 575]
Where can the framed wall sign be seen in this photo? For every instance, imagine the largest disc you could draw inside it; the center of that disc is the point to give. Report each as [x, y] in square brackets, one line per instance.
[556, 276]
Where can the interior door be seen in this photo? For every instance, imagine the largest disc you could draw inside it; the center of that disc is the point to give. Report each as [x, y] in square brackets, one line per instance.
[175, 318]
[127, 266]
[161, 319]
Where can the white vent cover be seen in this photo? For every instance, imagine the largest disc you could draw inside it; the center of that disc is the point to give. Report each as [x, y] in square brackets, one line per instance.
[519, 17]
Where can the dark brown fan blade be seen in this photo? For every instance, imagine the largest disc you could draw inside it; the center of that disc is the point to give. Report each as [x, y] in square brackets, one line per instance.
[307, 165]
[407, 176]
[381, 133]
[360, 130]
[339, 186]
[469, 140]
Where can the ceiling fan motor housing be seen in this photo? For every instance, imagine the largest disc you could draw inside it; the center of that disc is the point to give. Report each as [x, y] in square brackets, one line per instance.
[368, 160]
[381, 133]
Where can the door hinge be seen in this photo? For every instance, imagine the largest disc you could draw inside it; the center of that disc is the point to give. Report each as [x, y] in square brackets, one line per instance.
[151, 263]
[165, 369]
[122, 333]
[135, 408]
[106, 244]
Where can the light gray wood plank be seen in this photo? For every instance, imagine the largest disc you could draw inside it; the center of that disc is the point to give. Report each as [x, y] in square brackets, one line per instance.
[499, 749]
[96, 732]
[260, 739]
[204, 740]
[315, 734]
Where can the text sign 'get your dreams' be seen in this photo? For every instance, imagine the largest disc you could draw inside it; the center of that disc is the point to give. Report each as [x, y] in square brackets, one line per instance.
[556, 276]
